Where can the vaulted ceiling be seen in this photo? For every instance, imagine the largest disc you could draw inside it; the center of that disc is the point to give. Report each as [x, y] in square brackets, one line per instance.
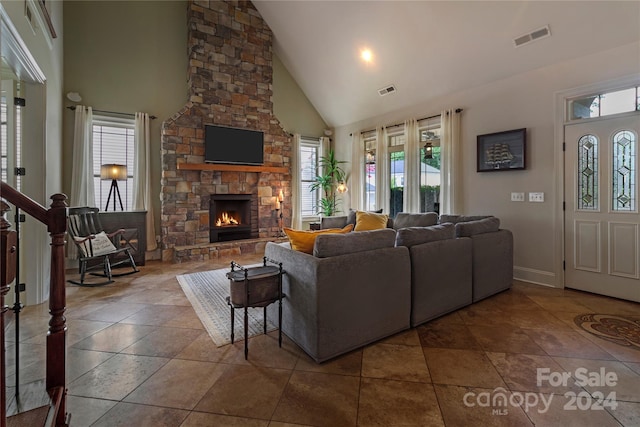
[430, 48]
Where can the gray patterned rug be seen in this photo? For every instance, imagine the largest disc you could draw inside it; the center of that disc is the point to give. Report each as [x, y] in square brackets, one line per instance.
[207, 292]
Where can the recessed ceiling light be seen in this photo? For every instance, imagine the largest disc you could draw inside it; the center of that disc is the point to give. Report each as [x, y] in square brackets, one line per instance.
[366, 55]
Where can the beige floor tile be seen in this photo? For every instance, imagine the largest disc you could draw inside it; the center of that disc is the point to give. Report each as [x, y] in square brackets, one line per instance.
[509, 301]
[203, 348]
[387, 403]
[156, 315]
[114, 312]
[202, 419]
[462, 367]
[520, 372]
[245, 391]
[474, 315]
[566, 344]
[264, 351]
[115, 338]
[86, 411]
[117, 377]
[447, 336]
[565, 304]
[607, 305]
[188, 319]
[79, 362]
[627, 413]
[452, 318]
[319, 400]
[621, 352]
[280, 424]
[163, 342]
[456, 413]
[563, 411]
[178, 384]
[408, 337]
[129, 414]
[537, 319]
[347, 364]
[627, 382]
[397, 362]
[505, 339]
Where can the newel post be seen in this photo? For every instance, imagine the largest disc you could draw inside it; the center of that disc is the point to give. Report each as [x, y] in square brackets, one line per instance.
[7, 275]
[56, 338]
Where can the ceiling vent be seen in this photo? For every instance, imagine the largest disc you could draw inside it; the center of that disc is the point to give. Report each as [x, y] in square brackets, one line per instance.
[538, 34]
[386, 90]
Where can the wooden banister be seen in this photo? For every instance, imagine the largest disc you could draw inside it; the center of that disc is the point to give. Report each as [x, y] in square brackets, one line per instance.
[55, 218]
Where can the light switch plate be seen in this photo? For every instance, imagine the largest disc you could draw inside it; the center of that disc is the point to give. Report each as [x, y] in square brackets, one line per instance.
[517, 197]
[536, 197]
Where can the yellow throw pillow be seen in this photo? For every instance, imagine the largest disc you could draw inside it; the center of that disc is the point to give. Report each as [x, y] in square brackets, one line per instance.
[370, 221]
[303, 240]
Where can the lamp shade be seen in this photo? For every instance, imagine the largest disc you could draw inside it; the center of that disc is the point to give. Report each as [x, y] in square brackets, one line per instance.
[113, 171]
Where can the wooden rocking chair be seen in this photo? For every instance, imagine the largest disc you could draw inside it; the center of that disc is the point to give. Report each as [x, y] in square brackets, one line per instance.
[96, 248]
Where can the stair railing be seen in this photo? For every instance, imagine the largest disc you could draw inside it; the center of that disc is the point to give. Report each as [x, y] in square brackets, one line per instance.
[55, 218]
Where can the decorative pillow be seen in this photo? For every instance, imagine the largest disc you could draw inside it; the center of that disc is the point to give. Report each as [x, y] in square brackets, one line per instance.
[404, 219]
[333, 222]
[471, 228]
[303, 240]
[370, 221]
[329, 245]
[411, 236]
[351, 216]
[99, 245]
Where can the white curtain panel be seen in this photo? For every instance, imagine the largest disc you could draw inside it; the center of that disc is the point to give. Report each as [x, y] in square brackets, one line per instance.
[383, 179]
[142, 177]
[82, 187]
[296, 188]
[450, 171]
[357, 172]
[411, 197]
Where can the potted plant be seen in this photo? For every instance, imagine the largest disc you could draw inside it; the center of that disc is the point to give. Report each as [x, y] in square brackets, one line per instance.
[329, 176]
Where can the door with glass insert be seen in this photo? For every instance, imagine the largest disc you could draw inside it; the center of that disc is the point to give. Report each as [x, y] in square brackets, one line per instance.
[602, 223]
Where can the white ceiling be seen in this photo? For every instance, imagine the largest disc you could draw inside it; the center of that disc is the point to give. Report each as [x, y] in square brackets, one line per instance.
[430, 48]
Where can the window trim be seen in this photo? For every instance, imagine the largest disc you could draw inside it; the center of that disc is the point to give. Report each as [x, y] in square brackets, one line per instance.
[314, 143]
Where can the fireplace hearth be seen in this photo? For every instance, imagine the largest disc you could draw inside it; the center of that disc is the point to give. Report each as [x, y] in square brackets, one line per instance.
[230, 217]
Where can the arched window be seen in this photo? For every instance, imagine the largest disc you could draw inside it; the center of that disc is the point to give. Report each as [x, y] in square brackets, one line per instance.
[588, 173]
[623, 158]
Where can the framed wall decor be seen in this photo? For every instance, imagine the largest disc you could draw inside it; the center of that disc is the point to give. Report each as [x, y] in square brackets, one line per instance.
[502, 151]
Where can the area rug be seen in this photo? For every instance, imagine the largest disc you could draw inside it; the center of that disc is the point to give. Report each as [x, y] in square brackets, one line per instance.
[621, 330]
[207, 291]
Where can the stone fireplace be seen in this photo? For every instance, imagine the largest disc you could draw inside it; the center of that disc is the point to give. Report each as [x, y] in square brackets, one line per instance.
[231, 217]
[230, 84]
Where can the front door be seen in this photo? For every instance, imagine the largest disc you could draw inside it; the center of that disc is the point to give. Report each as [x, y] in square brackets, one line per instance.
[602, 223]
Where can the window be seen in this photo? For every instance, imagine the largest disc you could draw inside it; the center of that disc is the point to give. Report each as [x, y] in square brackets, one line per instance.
[113, 142]
[309, 153]
[624, 172]
[370, 173]
[605, 104]
[588, 194]
[10, 134]
[430, 167]
[396, 172]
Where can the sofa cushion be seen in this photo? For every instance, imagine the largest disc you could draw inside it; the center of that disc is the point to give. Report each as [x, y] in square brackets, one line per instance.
[303, 240]
[334, 221]
[370, 221]
[329, 245]
[461, 218]
[471, 228]
[404, 219]
[411, 236]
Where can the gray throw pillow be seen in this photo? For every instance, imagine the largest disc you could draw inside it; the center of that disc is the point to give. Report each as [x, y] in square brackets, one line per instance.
[411, 236]
[471, 228]
[328, 245]
[333, 222]
[404, 219]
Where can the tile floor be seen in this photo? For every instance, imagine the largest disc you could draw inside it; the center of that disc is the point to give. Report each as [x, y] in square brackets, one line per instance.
[139, 356]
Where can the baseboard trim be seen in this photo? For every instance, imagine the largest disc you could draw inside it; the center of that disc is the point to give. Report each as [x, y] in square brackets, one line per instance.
[538, 277]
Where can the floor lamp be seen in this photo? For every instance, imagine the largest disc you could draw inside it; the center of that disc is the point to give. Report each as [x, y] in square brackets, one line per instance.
[115, 173]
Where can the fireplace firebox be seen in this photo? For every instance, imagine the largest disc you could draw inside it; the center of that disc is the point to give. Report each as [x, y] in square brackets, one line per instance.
[229, 217]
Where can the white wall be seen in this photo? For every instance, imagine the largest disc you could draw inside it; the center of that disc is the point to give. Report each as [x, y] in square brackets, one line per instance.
[42, 139]
[522, 101]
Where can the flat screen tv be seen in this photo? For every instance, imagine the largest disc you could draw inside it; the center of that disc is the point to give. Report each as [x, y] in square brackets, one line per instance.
[232, 145]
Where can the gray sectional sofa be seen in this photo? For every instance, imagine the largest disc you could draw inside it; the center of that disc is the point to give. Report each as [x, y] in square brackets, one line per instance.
[359, 287]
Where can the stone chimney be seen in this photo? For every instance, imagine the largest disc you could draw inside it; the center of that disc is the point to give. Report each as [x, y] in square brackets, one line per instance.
[230, 84]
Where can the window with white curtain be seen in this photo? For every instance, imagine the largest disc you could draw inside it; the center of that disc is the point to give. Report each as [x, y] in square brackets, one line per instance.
[429, 167]
[309, 154]
[113, 143]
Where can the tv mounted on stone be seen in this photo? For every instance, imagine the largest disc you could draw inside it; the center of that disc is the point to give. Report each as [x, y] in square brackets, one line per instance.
[232, 145]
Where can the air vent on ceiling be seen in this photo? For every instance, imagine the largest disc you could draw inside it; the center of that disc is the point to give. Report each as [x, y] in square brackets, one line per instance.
[538, 34]
[386, 90]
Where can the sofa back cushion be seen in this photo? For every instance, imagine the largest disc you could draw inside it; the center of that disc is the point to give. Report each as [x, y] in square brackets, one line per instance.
[411, 236]
[334, 222]
[461, 218]
[330, 245]
[404, 219]
[471, 228]
[303, 240]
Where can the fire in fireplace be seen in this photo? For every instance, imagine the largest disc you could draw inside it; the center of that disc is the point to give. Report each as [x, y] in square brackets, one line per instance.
[230, 217]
